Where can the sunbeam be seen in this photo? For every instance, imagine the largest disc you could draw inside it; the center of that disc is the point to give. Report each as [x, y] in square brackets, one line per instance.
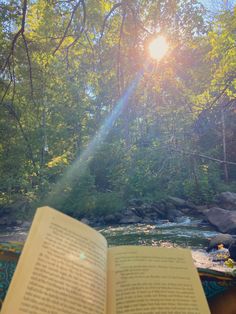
[79, 166]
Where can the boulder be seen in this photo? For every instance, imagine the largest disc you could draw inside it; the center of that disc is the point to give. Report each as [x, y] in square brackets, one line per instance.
[232, 251]
[113, 218]
[225, 239]
[227, 200]
[220, 255]
[135, 202]
[147, 220]
[172, 214]
[142, 210]
[152, 216]
[163, 221]
[5, 211]
[8, 221]
[110, 219]
[19, 222]
[161, 206]
[97, 222]
[192, 205]
[130, 219]
[179, 202]
[186, 210]
[224, 220]
[26, 224]
[201, 208]
[129, 211]
[159, 212]
[149, 210]
[85, 221]
[203, 223]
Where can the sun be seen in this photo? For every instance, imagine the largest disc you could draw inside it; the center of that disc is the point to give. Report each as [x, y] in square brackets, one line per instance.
[158, 48]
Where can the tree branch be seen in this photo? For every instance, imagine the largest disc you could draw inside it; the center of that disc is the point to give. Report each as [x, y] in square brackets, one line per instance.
[221, 93]
[119, 55]
[82, 28]
[68, 26]
[12, 111]
[117, 5]
[17, 35]
[30, 66]
[203, 156]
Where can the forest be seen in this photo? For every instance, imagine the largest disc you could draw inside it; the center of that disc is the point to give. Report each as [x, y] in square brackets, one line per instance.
[89, 120]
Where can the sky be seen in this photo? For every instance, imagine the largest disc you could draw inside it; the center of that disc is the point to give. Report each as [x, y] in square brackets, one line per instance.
[216, 5]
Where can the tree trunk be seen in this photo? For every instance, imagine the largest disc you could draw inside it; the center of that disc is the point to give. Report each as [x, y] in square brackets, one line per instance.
[226, 174]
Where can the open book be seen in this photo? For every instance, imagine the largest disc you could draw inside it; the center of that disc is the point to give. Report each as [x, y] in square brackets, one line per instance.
[67, 268]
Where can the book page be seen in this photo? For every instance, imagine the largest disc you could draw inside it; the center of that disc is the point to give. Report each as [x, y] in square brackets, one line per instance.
[62, 269]
[148, 280]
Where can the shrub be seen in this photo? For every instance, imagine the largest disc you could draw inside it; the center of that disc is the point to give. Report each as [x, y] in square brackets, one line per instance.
[108, 203]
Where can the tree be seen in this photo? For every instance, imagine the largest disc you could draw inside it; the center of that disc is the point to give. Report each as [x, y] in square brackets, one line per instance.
[65, 64]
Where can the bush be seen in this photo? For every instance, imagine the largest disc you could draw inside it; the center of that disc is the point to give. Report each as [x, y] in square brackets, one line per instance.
[77, 198]
[108, 203]
[203, 187]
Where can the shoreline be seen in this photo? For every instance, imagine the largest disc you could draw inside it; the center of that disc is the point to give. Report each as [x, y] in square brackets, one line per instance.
[201, 258]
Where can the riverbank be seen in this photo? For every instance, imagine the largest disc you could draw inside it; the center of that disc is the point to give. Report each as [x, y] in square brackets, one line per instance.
[221, 214]
[204, 260]
[171, 223]
[185, 234]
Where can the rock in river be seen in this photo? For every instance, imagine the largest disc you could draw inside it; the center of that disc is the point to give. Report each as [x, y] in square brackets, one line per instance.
[232, 251]
[223, 219]
[227, 200]
[225, 239]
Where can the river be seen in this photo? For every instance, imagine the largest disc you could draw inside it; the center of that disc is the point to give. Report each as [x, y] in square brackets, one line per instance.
[186, 233]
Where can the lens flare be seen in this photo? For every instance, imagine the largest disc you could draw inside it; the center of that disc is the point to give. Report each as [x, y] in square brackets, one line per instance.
[158, 48]
[78, 168]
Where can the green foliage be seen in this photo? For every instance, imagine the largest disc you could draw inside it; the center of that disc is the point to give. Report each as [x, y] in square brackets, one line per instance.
[200, 194]
[108, 203]
[78, 198]
[64, 77]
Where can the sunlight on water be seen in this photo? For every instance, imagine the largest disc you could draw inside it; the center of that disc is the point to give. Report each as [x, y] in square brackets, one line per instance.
[185, 234]
[163, 234]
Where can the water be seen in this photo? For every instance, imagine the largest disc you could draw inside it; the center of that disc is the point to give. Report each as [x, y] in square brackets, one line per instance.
[17, 234]
[185, 233]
